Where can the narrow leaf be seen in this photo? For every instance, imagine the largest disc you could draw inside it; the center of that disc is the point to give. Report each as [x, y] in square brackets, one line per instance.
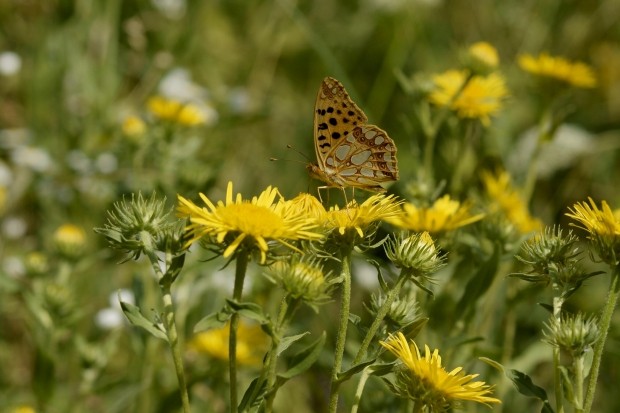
[136, 318]
[287, 341]
[305, 358]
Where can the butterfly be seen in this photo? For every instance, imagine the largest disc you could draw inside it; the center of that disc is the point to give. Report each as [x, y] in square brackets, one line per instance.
[349, 152]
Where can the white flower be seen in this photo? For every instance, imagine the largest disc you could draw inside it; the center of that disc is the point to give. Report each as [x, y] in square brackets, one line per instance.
[10, 63]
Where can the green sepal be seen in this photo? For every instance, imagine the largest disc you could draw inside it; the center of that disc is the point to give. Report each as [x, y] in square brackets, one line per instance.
[137, 319]
[304, 359]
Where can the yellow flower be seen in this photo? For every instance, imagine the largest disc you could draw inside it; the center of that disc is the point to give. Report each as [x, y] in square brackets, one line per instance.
[481, 97]
[175, 111]
[425, 381]
[484, 54]
[575, 73]
[307, 205]
[133, 126]
[357, 217]
[444, 215]
[509, 201]
[237, 222]
[70, 240]
[23, 409]
[251, 343]
[602, 225]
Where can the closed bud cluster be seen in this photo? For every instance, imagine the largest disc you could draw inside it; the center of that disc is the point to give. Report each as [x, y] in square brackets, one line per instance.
[553, 258]
[403, 310]
[302, 279]
[415, 254]
[139, 225]
[573, 334]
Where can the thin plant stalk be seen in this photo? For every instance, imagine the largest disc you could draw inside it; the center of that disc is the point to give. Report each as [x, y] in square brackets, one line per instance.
[360, 389]
[578, 368]
[557, 376]
[383, 310]
[240, 270]
[165, 284]
[599, 346]
[284, 315]
[345, 303]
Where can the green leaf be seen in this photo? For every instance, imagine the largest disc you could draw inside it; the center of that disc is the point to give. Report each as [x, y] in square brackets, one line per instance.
[136, 318]
[254, 395]
[287, 341]
[525, 386]
[381, 369]
[478, 285]
[249, 310]
[304, 359]
[523, 383]
[347, 374]
[213, 320]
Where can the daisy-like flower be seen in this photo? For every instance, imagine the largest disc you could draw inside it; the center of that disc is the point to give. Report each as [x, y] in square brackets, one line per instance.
[237, 223]
[574, 73]
[444, 215]
[508, 200]
[356, 218]
[427, 383]
[481, 97]
[70, 240]
[251, 343]
[602, 225]
[175, 111]
[307, 204]
[133, 126]
[484, 55]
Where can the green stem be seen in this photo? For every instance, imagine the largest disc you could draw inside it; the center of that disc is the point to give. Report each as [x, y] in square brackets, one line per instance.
[345, 303]
[608, 311]
[383, 310]
[165, 284]
[431, 132]
[175, 347]
[557, 376]
[578, 368]
[284, 314]
[360, 389]
[240, 270]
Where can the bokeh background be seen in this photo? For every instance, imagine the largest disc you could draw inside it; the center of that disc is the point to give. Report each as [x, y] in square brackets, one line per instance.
[73, 72]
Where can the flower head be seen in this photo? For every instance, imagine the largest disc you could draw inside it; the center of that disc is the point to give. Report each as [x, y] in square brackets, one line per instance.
[479, 98]
[602, 225]
[249, 224]
[574, 73]
[301, 279]
[575, 334]
[483, 55]
[355, 218]
[308, 205]
[139, 225]
[444, 215]
[509, 201]
[170, 110]
[415, 254]
[424, 380]
[70, 240]
[251, 343]
[133, 126]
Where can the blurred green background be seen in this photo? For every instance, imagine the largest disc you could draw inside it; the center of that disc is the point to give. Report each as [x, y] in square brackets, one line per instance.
[71, 72]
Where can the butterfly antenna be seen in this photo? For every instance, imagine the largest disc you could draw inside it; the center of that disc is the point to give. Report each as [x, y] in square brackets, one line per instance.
[289, 146]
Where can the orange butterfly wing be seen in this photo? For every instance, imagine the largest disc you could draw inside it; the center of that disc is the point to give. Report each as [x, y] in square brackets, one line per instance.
[349, 151]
